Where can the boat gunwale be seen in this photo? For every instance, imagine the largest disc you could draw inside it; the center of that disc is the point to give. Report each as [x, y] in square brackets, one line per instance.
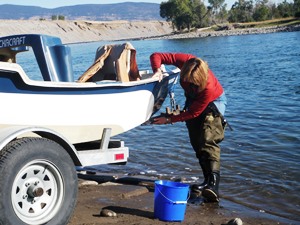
[14, 67]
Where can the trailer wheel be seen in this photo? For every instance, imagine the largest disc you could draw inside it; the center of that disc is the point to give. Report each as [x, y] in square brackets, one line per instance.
[38, 183]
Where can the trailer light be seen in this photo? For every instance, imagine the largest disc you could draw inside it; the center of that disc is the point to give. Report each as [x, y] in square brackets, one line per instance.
[119, 156]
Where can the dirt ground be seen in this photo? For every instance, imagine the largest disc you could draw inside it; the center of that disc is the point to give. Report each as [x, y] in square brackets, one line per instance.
[132, 200]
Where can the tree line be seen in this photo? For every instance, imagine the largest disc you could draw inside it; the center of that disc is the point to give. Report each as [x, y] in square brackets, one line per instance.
[193, 13]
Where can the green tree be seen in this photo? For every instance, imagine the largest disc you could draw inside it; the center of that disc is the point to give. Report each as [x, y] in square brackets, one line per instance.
[185, 15]
[171, 10]
[261, 11]
[241, 11]
[200, 13]
[274, 13]
[61, 17]
[216, 5]
[182, 13]
[222, 16]
[297, 8]
[54, 17]
[285, 9]
[168, 10]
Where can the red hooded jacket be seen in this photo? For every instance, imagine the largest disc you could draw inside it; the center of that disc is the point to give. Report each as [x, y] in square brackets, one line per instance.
[200, 101]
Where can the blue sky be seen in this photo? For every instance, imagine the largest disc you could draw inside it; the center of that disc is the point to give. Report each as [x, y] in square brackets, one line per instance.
[58, 3]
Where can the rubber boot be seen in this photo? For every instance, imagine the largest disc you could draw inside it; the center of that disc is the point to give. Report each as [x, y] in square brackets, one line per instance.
[198, 188]
[211, 191]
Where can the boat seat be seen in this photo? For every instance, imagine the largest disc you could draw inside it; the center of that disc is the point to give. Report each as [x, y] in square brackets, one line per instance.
[9, 54]
[113, 62]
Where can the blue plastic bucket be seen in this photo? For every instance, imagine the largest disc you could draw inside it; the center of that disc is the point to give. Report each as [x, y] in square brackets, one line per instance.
[170, 200]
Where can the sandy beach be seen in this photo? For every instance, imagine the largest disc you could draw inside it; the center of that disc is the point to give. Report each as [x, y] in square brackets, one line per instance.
[132, 201]
[87, 31]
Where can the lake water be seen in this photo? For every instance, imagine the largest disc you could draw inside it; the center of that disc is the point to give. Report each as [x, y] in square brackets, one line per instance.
[260, 158]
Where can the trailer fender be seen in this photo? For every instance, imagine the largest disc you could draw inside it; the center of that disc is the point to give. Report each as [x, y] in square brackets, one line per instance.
[10, 133]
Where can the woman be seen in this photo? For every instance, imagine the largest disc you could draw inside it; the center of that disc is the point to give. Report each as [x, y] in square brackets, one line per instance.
[203, 114]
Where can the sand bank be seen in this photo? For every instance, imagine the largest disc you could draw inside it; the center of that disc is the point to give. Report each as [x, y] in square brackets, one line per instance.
[89, 31]
[86, 31]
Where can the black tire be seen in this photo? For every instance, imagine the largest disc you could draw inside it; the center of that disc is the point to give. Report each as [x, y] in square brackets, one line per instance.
[38, 183]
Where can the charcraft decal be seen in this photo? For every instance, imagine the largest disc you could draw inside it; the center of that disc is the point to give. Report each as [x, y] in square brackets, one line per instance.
[11, 42]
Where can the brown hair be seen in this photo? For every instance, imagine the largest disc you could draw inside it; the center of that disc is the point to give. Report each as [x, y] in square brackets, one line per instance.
[195, 71]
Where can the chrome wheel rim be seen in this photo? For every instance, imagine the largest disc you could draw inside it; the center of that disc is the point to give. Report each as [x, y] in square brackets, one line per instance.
[37, 192]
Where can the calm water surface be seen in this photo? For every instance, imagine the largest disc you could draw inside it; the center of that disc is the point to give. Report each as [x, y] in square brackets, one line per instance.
[260, 158]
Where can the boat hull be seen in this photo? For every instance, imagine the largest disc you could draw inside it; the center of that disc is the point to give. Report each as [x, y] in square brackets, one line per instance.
[80, 112]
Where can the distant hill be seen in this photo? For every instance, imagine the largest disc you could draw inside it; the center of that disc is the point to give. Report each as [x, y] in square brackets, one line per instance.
[99, 12]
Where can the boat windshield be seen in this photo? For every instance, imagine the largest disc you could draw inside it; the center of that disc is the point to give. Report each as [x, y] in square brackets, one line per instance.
[53, 58]
[29, 64]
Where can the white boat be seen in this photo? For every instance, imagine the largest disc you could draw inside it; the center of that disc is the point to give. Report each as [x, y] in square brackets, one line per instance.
[51, 125]
[79, 111]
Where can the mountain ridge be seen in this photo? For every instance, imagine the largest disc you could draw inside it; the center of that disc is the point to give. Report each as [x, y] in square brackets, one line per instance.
[97, 12]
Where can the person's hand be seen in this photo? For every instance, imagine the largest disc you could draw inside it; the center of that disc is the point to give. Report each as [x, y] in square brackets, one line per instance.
[161, 120]
[158, 74]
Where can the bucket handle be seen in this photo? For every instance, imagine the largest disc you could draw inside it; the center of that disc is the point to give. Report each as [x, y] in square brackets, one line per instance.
[174, 202]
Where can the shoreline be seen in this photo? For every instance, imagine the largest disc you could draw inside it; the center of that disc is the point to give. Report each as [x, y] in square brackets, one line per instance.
[205, 32]
[73, 32]
[132, 199]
